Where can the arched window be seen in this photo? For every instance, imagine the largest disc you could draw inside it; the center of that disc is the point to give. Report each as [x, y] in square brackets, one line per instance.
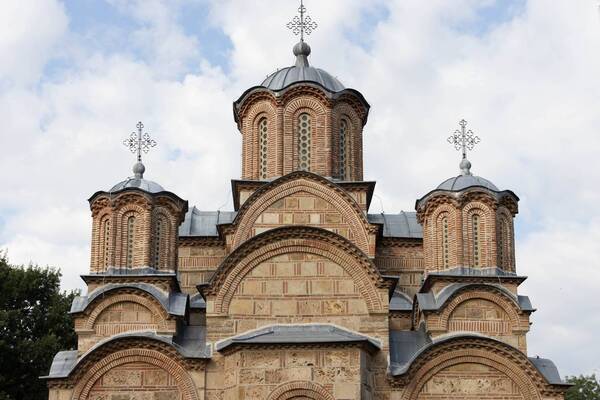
[343, 146]
[130, 241]
[445, 245]
[476, 228]
[105, 246]
[304, 134]
[504, 243]
[262, 147]
[160, 229]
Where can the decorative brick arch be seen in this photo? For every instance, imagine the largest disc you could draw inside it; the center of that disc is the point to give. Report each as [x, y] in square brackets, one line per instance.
[264, 108]
[433, 235]
[477, 350]
[303, 239]
[302, 182]
[152, 305]
[291, 390]
[344, 111]
[497, 297]
[487, 215]
[136, 355]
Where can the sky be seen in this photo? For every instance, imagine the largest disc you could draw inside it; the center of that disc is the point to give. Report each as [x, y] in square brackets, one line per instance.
[77, 75]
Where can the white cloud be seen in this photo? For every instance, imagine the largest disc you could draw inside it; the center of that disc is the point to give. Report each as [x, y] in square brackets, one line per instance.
[29, 32]
[527, 86]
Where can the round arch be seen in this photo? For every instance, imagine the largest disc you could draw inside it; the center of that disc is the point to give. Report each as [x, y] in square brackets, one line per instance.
[302, 182]
[151, 304]
[285, 240]
[136, 355]
[475, 350]
[302, 389]
[497, 297]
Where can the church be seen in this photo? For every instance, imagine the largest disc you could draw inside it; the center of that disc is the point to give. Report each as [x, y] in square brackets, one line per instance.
[300, 292]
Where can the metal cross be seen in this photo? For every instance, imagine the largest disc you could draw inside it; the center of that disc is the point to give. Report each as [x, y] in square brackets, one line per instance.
[139, 141]
[463, 139]
[303, 24]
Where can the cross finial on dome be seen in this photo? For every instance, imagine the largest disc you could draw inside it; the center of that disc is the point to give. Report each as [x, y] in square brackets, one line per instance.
[464, 140]
[301, 25]
[138, 142]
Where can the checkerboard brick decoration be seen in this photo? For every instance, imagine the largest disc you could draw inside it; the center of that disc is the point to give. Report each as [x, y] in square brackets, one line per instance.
[441, 310]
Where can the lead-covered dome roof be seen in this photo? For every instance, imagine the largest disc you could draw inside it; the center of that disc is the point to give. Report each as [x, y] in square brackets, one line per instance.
[302, 72]
[466, 180]
[461, 182]
[138, 182]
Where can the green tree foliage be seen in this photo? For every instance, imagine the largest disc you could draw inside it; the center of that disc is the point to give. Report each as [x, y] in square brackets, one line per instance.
[34, 326]
[584, 388]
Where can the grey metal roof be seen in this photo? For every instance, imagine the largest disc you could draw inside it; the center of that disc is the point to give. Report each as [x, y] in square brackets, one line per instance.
[400, 302]
[401, 225]
[470, 271]
[204, 223]
[137, 183]
[190, 344]
[173, 303]
[196, 301]
[302, 72]
[406, 346]
[430, 302]
[462, 182]
[548, 369]
[298, 334]
[284, 77]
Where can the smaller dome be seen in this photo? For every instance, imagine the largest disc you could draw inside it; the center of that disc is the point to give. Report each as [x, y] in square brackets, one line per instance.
[138, 183]
[462, 182]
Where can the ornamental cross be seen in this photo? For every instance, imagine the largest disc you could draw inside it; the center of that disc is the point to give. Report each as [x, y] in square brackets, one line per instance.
[463, 139]
[139, 141]
[302, 24]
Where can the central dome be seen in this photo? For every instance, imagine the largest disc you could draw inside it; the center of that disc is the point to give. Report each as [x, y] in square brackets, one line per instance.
[302, 72]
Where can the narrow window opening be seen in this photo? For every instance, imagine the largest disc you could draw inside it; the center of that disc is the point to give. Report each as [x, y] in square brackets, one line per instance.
[304, 138]
[343, 144]
[130, 241]
[445, 246]
[476, 241]
[263, 138]
[159, 231]
[106, 243]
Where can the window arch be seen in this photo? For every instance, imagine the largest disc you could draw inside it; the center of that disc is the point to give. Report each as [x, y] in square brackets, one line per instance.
[130, 241]
[343, 150]
[262, 147]
[105, 243]
[304, 141]
[476, 238]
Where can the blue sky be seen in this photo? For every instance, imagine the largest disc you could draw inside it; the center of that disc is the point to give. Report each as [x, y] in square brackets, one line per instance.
[523, 73]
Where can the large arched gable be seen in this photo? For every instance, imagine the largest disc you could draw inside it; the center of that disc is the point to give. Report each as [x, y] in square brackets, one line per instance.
[285, 240]
[302, 181]
[127, 350]
[474, 349]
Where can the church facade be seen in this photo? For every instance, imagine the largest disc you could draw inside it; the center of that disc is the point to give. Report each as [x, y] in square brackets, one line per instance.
[300, 292]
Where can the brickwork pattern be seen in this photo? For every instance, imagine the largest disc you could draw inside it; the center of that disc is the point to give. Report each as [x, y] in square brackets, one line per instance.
[110, 247]
[282, 115]
[302, 185]
[459, 246]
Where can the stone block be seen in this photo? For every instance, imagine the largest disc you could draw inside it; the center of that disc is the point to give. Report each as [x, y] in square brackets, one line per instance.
[322, 287]
[346, 391]
[241, 307]
[270, 218]
[332, 218]
[301, 218]
[274, 287]
[307, 203]
[315, 219]
[284, 307]
[295, 287]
